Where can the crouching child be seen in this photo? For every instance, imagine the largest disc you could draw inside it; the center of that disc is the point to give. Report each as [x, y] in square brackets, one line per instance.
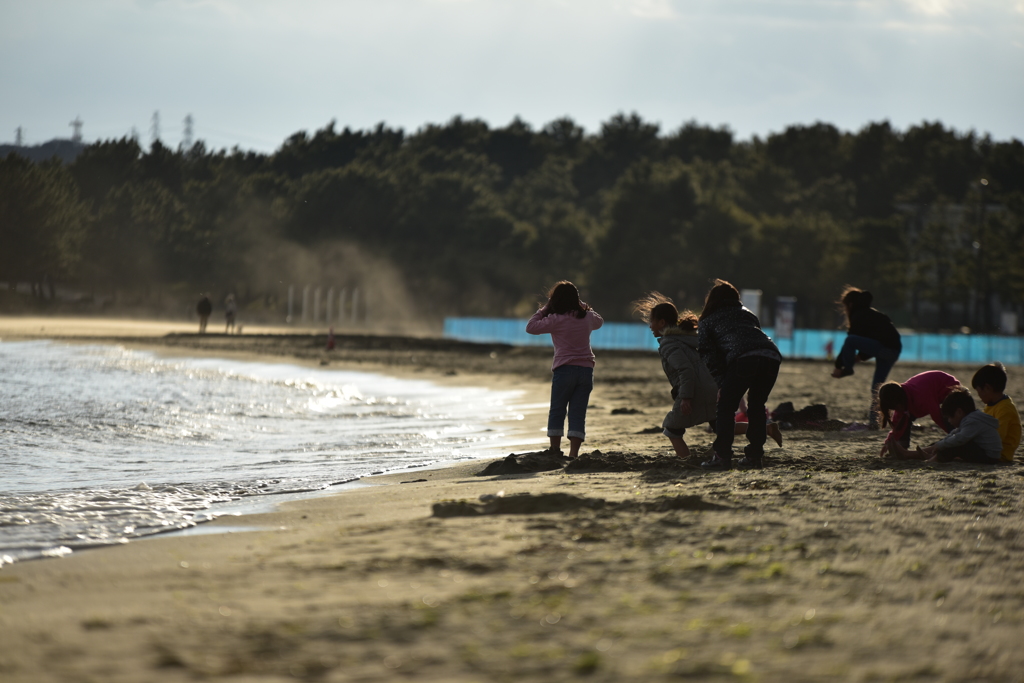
[975, 435]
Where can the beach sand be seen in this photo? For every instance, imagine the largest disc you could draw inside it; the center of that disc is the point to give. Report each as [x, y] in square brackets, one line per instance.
[830, 564]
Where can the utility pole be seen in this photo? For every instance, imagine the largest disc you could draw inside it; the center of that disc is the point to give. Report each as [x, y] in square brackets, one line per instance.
[154, 127]
[76, 127]
[19, 136]
[984, 286]
[186, 139]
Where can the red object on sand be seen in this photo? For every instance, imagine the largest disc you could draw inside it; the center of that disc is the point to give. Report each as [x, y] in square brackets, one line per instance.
[330, 339]
[741, 415]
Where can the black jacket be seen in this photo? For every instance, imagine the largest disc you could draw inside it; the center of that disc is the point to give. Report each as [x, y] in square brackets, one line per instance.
[873, 324]
[728, 333]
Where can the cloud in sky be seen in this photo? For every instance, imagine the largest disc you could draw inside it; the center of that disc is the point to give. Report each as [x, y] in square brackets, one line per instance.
[252, 72]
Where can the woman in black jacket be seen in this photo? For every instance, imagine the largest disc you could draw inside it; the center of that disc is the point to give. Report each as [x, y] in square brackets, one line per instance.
[870, 334]
[743, 360]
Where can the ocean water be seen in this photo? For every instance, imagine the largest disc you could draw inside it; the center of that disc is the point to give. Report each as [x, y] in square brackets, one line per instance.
[100, 444]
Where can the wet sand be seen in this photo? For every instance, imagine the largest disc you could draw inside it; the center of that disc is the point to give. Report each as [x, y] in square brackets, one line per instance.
[830, 564]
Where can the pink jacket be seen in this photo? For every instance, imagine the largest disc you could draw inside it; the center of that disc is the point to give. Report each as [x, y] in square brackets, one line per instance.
[924, 396]
[569, 334]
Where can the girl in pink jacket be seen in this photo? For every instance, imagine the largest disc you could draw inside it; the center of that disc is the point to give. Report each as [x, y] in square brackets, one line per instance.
[900, 404]
[569, 321]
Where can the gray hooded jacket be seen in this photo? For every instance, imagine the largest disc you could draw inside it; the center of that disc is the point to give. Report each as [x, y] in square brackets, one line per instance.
[688, 375]
[978, 427]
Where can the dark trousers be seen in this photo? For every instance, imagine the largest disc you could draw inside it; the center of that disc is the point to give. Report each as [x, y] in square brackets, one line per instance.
[884, 360]
[969, 452]
[754, 376]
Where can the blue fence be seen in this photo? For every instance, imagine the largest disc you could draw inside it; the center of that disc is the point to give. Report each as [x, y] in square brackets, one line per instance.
[634, 336]
[938, 348]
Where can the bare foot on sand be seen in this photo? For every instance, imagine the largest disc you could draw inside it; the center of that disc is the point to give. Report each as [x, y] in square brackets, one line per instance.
[775, 432]
[897, 450]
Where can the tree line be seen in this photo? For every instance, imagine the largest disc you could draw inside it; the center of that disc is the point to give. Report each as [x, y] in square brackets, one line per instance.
[466, 219]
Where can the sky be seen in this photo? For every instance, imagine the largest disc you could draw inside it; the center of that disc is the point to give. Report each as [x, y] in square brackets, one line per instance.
[250, 73]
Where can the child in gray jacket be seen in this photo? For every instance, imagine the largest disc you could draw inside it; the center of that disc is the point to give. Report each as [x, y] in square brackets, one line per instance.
[694, 392]
[975, 437]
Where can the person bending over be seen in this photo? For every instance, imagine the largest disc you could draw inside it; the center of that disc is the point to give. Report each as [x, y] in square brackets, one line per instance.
[900, 404]
[743, 360]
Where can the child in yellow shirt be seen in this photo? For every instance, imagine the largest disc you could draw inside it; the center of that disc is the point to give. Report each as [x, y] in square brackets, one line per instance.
[990, 383]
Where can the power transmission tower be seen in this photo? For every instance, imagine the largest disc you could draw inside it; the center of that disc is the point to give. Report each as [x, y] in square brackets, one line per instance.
[186, 140]
[76, 126]
[18, 136]
[154, 127]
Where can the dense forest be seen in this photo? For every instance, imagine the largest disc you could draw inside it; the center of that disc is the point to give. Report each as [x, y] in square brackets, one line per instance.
[465, 219]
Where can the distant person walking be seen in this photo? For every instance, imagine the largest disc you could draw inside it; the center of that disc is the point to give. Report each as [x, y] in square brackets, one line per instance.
[569, 321]
[743, 360]
[230, 309]
[204, 308]
[870, 334]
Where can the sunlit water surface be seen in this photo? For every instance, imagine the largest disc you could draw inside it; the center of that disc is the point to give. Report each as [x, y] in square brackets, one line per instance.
[99, 444]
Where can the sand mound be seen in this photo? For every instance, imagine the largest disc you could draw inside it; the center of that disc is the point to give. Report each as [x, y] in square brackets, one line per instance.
[529, 504]
[525, 463]
[522, 504]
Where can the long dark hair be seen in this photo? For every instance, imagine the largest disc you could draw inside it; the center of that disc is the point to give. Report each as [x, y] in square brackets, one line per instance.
[891, 395]
[722, 294]
[854, 299]
[565, 298]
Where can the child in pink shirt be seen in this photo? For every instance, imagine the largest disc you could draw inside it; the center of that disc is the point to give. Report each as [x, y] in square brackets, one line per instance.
[569, 321]
[919, 396]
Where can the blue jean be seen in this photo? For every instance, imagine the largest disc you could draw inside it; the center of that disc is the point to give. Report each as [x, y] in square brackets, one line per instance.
[884, 357]
[754, 376]
[570, 392]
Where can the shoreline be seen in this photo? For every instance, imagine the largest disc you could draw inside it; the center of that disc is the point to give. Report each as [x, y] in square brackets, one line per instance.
[829, 564]
[508, 433]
